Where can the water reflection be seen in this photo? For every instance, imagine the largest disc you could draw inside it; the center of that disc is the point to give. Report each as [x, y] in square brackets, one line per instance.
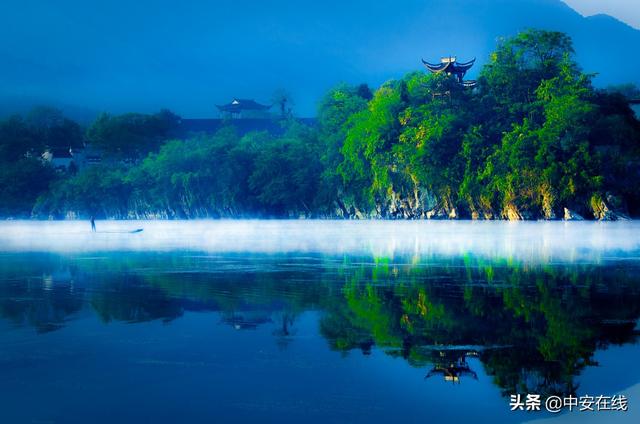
[44, 303]
[452, 365]
[532, 328]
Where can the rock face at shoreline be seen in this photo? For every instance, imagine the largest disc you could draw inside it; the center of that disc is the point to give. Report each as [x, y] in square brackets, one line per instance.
[416, 204]
[604, 210]
[570, 215]
[423, 205]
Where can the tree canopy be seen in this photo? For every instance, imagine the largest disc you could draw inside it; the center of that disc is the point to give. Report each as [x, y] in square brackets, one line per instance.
[534, 139]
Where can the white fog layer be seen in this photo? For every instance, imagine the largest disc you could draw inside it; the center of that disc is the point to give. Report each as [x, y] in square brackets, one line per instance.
[529, 241]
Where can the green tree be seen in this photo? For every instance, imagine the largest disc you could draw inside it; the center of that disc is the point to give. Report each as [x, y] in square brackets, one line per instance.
[132, 135]
[287, 171]
[333, 113]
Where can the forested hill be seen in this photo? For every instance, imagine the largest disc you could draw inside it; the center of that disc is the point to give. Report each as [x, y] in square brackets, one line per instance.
[63, 53]
[533, 140]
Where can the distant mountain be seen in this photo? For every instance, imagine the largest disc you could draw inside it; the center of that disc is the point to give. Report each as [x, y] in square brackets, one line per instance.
[150, 54]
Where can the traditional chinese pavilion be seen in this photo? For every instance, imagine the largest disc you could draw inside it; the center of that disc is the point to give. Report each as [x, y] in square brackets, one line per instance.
[451, 66]
[239, 108]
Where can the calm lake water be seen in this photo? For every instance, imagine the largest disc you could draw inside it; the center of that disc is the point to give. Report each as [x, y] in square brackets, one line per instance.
[314, 321]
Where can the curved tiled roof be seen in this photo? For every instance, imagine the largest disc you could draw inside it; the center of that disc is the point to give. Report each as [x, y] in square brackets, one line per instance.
[449, 65]
[238, 105]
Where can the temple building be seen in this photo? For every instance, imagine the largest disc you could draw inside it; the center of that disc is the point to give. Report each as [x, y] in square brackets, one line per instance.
[60, 158]
[72, 159]
[245, 116]
[451, 66]
[243, 108]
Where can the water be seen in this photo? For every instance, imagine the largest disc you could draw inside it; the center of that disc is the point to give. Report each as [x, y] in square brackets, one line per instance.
[289, 321]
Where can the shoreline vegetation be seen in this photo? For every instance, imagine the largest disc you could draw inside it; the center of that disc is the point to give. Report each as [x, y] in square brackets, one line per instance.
[533, 140]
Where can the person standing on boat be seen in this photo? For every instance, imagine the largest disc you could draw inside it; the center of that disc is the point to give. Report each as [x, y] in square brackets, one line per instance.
[93, 224]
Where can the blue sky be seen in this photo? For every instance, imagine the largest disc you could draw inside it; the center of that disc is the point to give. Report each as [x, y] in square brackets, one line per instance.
[123, 55]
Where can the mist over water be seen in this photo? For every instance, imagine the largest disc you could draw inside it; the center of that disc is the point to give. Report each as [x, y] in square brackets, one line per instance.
[313, 321]
[525, 241]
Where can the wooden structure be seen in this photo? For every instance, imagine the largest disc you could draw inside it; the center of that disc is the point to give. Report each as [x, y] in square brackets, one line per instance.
[451, 66]
[243, 108]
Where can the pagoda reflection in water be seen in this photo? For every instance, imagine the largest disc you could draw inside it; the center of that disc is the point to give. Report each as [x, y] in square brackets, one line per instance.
[452, 365]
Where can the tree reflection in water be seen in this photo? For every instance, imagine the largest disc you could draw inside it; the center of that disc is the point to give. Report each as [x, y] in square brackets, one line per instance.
[533, 328]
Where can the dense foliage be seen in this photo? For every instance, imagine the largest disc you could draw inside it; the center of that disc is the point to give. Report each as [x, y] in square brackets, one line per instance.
[132, 135]
[219, 175]
[23, 176]
[534, 139]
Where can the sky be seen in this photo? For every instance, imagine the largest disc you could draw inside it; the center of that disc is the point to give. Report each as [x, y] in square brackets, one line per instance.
[628, 11]
[188, 56]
